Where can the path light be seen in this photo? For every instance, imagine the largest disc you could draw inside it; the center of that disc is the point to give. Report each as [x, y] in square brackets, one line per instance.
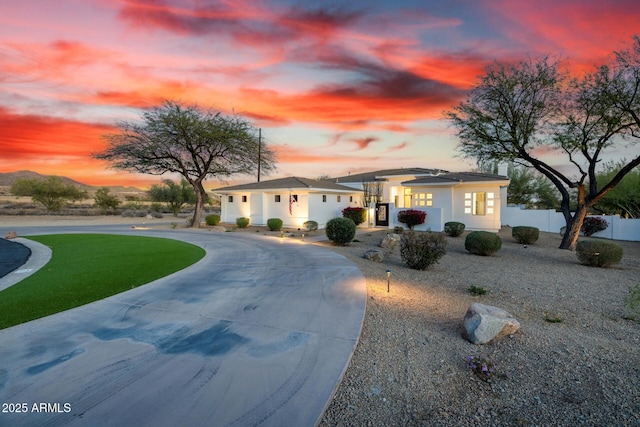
[388, 280]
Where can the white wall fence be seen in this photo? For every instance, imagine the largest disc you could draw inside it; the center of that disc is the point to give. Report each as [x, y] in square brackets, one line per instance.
[552, 221]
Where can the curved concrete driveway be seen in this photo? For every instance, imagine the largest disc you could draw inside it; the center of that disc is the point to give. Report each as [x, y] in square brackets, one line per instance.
[259, 332]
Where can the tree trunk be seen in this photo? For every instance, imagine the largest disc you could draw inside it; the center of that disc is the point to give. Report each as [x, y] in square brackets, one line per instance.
[574, 223]
[201, 196]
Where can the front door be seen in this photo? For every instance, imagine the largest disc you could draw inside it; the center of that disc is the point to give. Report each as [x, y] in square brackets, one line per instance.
[382, 214]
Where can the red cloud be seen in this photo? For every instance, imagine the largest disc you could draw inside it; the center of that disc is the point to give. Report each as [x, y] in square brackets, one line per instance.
[363, 143]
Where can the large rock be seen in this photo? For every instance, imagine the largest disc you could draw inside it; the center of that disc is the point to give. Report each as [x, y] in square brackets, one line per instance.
[374, 255]
[218, 229]
[11, 235]
[485, 324]
[390, 241]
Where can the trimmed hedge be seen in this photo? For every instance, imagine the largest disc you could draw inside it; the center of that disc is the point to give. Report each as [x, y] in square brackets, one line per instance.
[421, 250]
[341, 231]
[482, 243]
[357, 215]
[242, 222]
[453, 228]
[274, 224]
[525, 235]
[213, 219]
[598, 253]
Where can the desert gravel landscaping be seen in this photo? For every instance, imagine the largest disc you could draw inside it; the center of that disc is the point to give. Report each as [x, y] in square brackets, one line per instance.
[409, 367]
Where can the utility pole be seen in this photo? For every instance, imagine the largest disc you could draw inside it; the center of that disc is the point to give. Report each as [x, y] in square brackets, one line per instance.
[259, 151]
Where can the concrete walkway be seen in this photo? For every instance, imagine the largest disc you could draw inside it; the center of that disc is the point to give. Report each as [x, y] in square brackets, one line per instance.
[259, 332]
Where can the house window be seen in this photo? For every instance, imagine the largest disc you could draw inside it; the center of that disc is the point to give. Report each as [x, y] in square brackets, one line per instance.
[478, 203]
[277, 198]
[407, 198]
[339, 198]
[230, 198]
[350, 199]
[294, 198]
[244, 199]
[423, 199]
[324, 198]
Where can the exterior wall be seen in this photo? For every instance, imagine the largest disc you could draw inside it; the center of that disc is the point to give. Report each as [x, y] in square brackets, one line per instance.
[434, 221]
[321, 212]
[231, 210]
[450, 203]
[488, 222]
[552, 221]
[260, 206]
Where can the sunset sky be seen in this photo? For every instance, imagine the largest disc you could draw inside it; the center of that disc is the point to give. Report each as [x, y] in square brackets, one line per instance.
[337, 87]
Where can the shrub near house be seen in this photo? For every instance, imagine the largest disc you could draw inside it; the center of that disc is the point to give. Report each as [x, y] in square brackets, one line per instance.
[358, 215]
[412, 217]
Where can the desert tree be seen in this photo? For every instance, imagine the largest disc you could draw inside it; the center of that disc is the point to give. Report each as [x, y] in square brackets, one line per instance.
[193, 142]
[53, 193]
[176, 196]
[106, 201]
[518, 111]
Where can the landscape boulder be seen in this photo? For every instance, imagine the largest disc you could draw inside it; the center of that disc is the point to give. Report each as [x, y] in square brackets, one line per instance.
[218, 229]
[11, 235]
[390, 241]
[374, 255]
[484, 324]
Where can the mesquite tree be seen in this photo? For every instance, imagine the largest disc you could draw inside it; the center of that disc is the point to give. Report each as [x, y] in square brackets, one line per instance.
[190, 141]
[519, 111]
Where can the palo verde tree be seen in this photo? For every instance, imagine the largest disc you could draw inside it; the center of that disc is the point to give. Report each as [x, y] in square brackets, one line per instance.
[52, 192]
[190, 141]
[518, 111]
[174, 195]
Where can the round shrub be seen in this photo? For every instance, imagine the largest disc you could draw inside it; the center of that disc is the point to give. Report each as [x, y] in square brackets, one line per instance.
[598, 254]
[274, 224]
[358, 215]
[310, 225]
[341, 231]
[213, 219]
[525, 235]
[482, 243]
[242, 222]
[453, 228]
[421, 250]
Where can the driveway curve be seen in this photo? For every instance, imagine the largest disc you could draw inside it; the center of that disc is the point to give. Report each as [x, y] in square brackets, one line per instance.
[259, 332]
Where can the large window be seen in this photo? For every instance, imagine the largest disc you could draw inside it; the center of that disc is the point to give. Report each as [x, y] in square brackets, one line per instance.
[423, 199]
[478, 203]
[407, 198]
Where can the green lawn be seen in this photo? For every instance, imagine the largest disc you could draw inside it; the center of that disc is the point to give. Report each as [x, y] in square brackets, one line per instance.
[88, 267]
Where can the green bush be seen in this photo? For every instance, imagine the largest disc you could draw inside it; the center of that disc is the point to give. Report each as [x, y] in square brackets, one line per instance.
[525, 235]
[398, 229]
[274, 224]
[421, 250]
[310, 225]
[213, 219]
[412, 217]
[453, 228]
[341, 231]
[482, 243]
[242, 222]
[598, 253]
[358, 215]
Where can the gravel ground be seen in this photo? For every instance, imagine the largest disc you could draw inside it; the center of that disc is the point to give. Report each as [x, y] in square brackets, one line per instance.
[409, 367]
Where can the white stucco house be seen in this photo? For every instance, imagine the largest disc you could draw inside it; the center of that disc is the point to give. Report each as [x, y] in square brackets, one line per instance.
[294, 200]
[474, 199]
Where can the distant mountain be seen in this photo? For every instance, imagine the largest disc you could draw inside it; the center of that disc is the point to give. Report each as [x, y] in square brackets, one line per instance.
[7, 179]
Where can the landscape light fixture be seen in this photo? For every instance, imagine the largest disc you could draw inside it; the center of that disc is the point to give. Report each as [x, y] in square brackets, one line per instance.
[388, 280]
